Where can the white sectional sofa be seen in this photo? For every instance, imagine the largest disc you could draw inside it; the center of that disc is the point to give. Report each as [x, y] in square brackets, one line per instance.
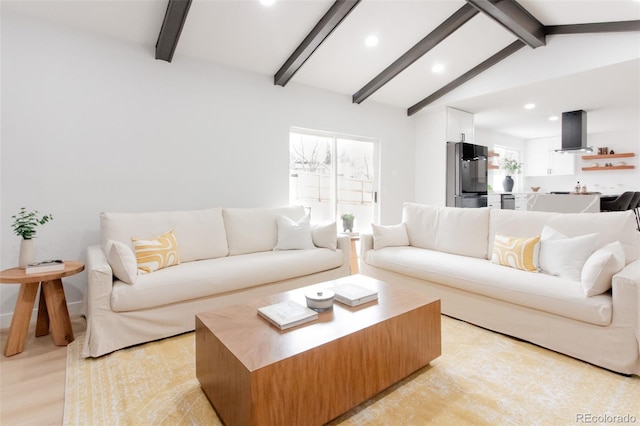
[225, 256]
[447, 253]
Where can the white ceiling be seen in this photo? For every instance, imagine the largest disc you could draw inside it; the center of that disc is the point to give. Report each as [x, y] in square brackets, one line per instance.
[572, 72]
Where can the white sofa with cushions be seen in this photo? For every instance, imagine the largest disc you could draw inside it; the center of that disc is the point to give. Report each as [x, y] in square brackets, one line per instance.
[580, 298]
[154, 271]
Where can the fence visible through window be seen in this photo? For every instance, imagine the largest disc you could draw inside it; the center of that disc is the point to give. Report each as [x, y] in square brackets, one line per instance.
[316, 187]
[333, 175]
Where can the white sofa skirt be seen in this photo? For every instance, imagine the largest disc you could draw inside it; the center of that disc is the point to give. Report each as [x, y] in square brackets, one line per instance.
[614, 347]
[204, 278]
[108, 330]
[539, 291]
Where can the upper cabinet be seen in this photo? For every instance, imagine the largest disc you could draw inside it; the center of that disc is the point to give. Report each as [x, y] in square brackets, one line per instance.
[459, 126]
[542, 160]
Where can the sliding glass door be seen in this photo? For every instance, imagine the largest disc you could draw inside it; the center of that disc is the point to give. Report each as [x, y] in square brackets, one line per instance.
[334, 175]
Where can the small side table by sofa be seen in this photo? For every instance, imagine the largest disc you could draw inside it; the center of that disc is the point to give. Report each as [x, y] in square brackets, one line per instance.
[52, 309]
[353, 260]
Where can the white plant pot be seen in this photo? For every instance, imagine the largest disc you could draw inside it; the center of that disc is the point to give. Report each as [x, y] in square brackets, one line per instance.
[27, 253]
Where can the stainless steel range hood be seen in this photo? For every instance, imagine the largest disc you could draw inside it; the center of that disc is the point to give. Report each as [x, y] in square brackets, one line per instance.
[574, 133]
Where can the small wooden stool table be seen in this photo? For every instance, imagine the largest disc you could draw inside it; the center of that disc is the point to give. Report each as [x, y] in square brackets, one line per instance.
[353, 259]
[52, 308]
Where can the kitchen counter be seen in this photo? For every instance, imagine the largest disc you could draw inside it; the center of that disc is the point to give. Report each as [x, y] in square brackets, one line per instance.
[514, 192]
[564, 203]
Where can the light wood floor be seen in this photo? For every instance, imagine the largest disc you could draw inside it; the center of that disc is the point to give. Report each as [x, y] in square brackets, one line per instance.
[32, 382]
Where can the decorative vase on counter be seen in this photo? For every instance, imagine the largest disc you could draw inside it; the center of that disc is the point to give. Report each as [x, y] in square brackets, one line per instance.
[27, 253]
[507, 184]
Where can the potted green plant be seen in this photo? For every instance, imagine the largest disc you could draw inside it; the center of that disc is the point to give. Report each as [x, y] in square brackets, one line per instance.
[24, 225]
[510, 166]
[347, 222]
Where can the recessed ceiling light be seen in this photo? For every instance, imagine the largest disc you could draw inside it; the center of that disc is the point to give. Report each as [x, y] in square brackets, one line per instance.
[553, 118]
[267, 2]
[437, 68]
[529, 106]
[371, 41]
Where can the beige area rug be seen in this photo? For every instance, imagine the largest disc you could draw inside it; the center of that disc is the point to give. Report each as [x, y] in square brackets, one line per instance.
[482, 378]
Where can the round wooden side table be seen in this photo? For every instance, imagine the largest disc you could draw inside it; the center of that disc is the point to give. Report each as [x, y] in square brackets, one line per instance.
[53, 313]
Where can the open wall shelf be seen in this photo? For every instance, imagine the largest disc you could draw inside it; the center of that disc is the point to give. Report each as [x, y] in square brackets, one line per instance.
[606, 157]
[493, 166]
[587, 169]
[597, 157]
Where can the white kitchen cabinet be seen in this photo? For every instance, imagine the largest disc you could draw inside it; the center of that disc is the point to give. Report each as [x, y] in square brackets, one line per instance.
[536, 157]
[542, 160]
[459, 126]
[521, 201]
[494, 201]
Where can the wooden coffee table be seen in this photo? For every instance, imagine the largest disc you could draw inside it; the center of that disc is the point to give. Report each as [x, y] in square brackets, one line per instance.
[253, 373]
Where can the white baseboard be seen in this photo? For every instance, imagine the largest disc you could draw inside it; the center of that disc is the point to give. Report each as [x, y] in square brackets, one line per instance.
[75, 308]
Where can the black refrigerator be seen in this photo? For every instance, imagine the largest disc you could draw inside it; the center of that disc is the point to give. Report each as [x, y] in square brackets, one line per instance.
[467, 166]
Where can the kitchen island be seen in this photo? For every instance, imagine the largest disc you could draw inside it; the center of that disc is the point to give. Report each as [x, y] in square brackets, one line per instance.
[564, 203]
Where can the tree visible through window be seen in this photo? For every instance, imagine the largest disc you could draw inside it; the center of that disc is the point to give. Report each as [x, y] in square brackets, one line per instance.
[331, 188]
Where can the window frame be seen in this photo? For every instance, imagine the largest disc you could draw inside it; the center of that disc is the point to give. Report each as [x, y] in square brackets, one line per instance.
[334, 136]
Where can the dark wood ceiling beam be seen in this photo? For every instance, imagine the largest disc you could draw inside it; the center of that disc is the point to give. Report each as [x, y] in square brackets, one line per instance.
[174, 19]
[598, 27]
[507, 51]
[514, 18]
[329, 22]
[455, 21]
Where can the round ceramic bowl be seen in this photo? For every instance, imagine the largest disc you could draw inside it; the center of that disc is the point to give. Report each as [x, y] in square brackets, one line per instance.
[320, 300]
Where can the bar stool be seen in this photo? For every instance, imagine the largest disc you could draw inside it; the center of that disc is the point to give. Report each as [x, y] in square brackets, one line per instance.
[635, 206]
[618, 204]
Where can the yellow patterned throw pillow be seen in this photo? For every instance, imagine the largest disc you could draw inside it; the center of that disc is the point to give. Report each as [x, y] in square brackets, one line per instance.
[519, 253]
[156, 253]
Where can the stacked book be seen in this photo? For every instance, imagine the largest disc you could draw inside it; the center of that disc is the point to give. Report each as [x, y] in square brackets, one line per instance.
[44, 266]
[354, 295]
[287, 314]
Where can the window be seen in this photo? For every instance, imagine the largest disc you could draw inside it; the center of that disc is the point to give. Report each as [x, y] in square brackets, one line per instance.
[503, 152]
[332, 175]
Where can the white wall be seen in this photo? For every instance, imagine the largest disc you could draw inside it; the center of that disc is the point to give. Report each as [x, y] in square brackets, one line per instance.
[91, 124]
[490, 139]
[431, 156]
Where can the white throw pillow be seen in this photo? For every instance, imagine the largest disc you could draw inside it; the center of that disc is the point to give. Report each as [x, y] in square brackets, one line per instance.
[600, 267]
[563, 256]
[122, 261]
[294, 235]
[252, 230]
[325, 235]
[389, 236]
